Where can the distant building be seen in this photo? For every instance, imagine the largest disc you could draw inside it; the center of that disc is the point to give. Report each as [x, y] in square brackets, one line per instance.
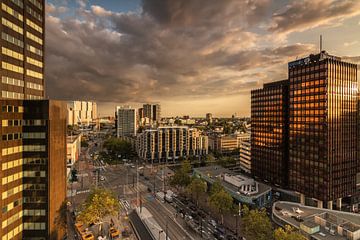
[169, 143]
[226, 144]
[245, 154]
[209, 118]
[126, 124]
[152, 112]
[73, 144]
[81, 112]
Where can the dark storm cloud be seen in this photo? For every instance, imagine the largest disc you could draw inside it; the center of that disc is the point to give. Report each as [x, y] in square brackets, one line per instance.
[182, 49]
[302, 15]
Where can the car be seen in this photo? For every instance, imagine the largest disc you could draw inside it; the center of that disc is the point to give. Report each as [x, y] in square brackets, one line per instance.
[102, 178]
[146, 178]
[212, 222]
[114, 233]
[88, 236]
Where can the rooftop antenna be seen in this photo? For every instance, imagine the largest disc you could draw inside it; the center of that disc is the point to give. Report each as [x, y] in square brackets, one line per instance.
[320, 43]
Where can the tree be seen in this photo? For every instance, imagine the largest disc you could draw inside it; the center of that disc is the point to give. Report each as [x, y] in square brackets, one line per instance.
[226, 161]
[256, 225]
[222, 201]
[288, 233]
[99, 204]
[118, 147]
[181, 178]
[216, 187]
[197, 187]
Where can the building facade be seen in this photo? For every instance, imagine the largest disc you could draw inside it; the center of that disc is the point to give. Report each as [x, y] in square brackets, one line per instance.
[323, 155]
[245, 155]
[169, 143]
[33, 143]
[73, 146]
[81, 113]
[33, 156]
[126, 124]
[315, 114]
[269, 126]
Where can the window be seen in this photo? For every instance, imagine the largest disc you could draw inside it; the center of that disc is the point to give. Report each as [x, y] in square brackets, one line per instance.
[34, 25]
[12, 40]
[34, 13]
[34, 50]
[11, 11]
[34, 38]
[12, 53]
[34, 62]
[34, 74]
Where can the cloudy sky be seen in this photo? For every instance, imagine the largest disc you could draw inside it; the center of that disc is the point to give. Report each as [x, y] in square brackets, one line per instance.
[192, 56]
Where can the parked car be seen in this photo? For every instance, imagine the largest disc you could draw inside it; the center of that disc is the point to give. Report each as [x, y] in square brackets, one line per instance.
[114, 233]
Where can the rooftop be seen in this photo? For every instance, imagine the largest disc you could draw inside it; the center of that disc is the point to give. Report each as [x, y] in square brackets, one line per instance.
[239, 186]
[329, 222]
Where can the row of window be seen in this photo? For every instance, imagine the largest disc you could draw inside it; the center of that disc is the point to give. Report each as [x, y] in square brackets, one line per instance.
[34, 38]
[34, 50]
[12, 122]
[19, 3]
[12, 219]
[34, 97]
[34, 148]
[11, 11]
[12, 40]
[34, 25]
[11, 150]
[37, 199]
[12, 26]
[34, 13]
[12, 164]
[30, 186]
[36, 4]
[36, 161]
[12, 67]
[34, 226]
[34, 135]
[11, 191]
[12, 53]
[11, 136]
[34, 74]
[12, 95]
[34, 212]
[11, 178]
[34, 62]
[12, 81]
[34, 86]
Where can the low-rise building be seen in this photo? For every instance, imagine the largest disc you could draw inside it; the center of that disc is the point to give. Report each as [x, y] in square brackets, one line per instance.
[226, 144]
[169, 143]
[243, 189]
[317, 223]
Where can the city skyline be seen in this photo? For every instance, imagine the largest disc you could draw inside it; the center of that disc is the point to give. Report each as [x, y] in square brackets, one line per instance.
[192, 57]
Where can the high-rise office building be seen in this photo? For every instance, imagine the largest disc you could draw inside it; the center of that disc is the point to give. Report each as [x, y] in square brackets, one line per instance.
[323, 154]
[126, 121]
[152, 112]
[33, 145]
[269, 117]
[319, 127]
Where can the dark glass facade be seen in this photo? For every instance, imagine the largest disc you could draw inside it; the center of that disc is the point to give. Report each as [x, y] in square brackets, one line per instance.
[269, 119]
[304, 131]
[323, 127]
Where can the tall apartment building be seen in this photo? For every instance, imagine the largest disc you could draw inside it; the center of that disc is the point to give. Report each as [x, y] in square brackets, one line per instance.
[81, 112]
[126, 124]
[269, 124]
[245, 154]
[33, 145]
[152, 112]
[169, 143]
[320, 130]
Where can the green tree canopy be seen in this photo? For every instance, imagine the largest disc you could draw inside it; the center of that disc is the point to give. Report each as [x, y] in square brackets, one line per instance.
[216, 187]
[288, 233]
[117, 146]
[256, 225]
[99, 204]
[197, 187]
[222, 201]
[181, 178]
